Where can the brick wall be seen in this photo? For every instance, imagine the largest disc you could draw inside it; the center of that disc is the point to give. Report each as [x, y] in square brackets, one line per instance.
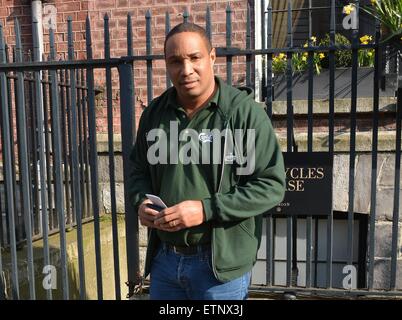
[20, 9]
[117, 11]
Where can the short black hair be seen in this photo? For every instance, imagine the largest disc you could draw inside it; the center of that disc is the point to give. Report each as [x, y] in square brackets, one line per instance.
[189, 27]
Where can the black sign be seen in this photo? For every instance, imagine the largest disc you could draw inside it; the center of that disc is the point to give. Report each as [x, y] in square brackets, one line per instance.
[308, 184]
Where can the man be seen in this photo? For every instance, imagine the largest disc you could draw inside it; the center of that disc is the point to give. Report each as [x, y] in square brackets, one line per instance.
[216, 186]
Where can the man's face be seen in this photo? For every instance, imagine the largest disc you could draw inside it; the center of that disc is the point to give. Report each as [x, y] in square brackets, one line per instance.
[190, 64]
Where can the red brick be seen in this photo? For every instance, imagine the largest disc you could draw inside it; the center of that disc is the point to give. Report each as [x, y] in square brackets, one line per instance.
[116, 14]
[81, 15]
[119, 34]
[139, 3]
[122, 3]
[105, 4]
[234, 5]
[69, 7]
[84, 5]
[159, 2]
[160, 12]
[177, 2]
[158, 32]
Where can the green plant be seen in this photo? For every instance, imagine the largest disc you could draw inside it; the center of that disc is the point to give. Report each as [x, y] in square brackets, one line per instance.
[389, 12]
[299, 61]
[343, 58]
[366, 56]
[279, 63]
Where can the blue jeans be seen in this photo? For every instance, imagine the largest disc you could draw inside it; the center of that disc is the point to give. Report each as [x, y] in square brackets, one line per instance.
[190, 277]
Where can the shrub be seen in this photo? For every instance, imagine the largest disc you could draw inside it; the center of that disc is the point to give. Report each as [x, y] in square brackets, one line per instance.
[299, 61]
[343, 58]
[279, 63]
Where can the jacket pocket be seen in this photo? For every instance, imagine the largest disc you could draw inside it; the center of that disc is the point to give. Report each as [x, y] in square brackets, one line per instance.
[248, 227]
[235, 245]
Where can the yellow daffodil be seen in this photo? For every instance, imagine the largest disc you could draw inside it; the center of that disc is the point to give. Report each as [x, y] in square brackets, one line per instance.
[373, 2]
[321, 55]
[348, 9]
[304, 58]
[313, 39]
[365, 39]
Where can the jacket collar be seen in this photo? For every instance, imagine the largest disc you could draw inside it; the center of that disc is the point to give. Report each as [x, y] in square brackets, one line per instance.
[226, 100]
[172, 101]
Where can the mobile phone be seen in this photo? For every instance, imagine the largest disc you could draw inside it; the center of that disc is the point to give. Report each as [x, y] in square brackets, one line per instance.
[156, 200]
[154, 207]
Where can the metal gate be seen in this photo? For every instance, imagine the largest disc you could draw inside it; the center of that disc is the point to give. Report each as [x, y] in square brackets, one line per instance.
[51, 179]
[359, 249]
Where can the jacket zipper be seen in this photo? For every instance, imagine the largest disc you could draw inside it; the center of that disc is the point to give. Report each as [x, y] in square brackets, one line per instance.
[226, 124]
[223, 159]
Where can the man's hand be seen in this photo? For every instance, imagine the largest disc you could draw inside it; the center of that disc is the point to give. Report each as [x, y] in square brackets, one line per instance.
[146, 214]
[189, 213]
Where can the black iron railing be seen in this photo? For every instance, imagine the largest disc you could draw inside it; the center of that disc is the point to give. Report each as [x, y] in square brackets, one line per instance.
[55, 165]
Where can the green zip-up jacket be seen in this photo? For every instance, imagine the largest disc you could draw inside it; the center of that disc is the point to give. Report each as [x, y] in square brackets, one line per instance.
[235, 209]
